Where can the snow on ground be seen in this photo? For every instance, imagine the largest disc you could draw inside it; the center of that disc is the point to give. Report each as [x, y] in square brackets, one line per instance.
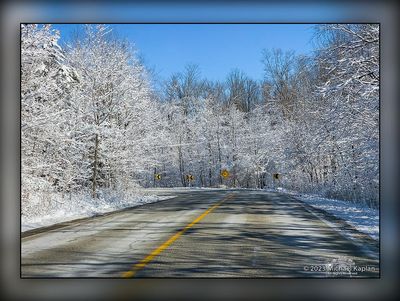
[363, 218]
[40, 213]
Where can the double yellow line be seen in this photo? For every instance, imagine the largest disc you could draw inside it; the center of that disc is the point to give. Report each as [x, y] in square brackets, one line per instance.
[140, 265]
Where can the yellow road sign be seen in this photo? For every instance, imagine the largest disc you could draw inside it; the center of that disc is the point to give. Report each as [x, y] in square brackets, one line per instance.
[225, 173]
[157, 176]
[189, 177]
[276, 176]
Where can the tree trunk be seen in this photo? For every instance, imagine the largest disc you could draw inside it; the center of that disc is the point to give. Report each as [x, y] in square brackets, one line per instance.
[94, 179]
[181, 169]
[219, 159]
[154, 177]
[209, 165]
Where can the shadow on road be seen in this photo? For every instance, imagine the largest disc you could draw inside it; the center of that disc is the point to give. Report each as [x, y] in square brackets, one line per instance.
[250, 235]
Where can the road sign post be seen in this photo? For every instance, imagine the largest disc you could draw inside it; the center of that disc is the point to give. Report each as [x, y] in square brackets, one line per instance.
[157, 177]
[189, 178]
[276, 177]
[224, 174]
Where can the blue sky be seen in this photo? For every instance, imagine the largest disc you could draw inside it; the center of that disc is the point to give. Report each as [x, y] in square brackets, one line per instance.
[216, 48]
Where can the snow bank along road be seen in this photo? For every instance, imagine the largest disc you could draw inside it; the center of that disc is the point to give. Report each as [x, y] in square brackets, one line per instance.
[201, 233]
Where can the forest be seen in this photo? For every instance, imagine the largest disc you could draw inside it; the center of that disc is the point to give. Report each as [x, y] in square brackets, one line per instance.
[93, 122]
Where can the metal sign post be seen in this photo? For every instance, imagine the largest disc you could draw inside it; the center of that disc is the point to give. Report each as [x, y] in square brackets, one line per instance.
[190, 178]
[157, 177]
[276, 177]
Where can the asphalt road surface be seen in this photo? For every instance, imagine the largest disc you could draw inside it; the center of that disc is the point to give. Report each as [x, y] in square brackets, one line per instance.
[200, 233]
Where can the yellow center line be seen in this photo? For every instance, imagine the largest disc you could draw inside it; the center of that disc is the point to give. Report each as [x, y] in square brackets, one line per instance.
[166, 244]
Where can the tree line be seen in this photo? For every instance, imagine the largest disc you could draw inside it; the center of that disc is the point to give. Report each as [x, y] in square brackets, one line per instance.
[92, 121]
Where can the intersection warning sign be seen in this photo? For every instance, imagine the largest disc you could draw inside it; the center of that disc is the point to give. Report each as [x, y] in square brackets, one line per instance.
[225, 173]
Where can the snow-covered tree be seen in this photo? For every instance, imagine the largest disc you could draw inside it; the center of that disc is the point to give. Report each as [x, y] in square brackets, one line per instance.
[116, 113]
[91, 119]
[349, 62]
[46, 82]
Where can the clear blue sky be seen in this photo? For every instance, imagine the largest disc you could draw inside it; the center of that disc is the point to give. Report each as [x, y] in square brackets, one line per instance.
[216, 48]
